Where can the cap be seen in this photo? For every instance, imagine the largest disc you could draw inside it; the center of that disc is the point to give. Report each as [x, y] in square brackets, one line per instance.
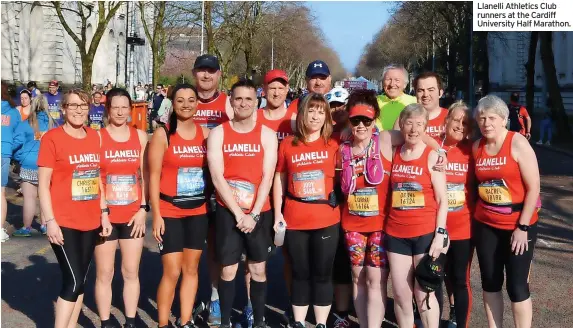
[361, 110]
[317, 67]
[207, 61]
[53, 83]
[337, 94]
[274, 75]
[430, 273]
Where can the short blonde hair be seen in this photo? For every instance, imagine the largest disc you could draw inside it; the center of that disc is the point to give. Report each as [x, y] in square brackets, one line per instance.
[413, 110]
[494, 104]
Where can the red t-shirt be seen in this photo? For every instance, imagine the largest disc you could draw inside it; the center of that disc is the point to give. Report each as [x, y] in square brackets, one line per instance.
[500, 183]
[414, 209]
[243, 156]
[120, 175]
[436, 126]
[183, 173]
[459, 174]
[74, 187]
[310, 170]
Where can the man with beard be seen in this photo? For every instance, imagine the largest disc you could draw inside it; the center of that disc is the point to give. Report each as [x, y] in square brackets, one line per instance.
[393, 101]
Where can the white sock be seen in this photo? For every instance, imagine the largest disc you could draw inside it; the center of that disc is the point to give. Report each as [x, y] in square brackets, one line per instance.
[214, 293]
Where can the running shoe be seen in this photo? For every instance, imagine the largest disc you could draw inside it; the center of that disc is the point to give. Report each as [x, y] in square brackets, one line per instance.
[44, 229]
[189, 324]
[341, 322]
[214, 313]
[247, 317]
[4, 236]
[197, 310]
[320, 325]
[539, 142]
[548, 143]
[452, 323]
[22, 232]
[300, 325]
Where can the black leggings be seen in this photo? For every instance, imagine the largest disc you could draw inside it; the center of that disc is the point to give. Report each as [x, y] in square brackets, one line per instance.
[312, 257]
[493, 248]
[458, 267]
[74, 258]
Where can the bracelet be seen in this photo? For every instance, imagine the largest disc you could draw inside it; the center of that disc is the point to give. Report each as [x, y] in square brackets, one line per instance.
[48, 221]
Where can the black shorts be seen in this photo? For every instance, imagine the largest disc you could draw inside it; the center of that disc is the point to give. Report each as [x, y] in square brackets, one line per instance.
[119, 231]
[189, 232]
[230, 242]
[409, 246]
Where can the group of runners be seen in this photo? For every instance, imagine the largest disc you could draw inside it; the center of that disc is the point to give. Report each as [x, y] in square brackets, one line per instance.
[361, 202]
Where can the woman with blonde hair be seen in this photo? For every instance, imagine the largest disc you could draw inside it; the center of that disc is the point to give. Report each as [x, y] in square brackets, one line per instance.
[27, 144]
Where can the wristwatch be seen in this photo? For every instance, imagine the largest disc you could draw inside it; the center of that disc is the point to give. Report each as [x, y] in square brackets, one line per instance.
[145, 207]
[444, 232]
[105, 210]
[442, 151]
[523, 227]
[255, 217]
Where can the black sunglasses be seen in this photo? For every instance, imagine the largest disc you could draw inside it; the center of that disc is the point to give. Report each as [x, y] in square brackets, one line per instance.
[355, 121]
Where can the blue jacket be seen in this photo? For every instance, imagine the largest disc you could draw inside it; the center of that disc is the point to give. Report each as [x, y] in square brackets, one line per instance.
[27, 144]
[10, 120]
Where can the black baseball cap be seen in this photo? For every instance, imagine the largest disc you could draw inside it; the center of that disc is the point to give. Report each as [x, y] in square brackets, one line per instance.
[207, 61]
[317, 67]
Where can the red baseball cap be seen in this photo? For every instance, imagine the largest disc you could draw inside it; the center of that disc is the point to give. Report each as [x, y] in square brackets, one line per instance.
[361, 110]
[274, 75]
[53, 83]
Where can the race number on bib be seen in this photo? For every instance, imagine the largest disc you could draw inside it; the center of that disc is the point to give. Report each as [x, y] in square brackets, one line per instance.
[456, 196]
[363, 202]
[495, 192]
[407, 196]
[55, 114]
[190, 181]
[95, 126]
[121, 189]
[309, 185]
[85, 185]
[244, 193]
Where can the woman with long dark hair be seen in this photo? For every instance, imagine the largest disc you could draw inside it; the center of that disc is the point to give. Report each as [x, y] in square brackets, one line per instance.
[177, 188]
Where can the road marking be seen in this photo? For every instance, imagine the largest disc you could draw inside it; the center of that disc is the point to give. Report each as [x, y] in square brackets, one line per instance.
[43, 250]
[546, 243]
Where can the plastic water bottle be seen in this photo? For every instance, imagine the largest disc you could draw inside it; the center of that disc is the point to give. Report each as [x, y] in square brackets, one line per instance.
[280, 234]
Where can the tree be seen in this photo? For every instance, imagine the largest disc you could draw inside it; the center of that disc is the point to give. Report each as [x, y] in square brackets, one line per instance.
[156, 36]
[558, 110]
[84, 10]
[530, 70]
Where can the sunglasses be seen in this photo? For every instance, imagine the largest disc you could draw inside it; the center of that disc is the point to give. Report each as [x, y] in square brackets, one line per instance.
[337, 94]
[355, 121]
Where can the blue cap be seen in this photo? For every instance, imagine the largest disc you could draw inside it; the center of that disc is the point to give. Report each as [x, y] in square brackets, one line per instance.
[317, 67]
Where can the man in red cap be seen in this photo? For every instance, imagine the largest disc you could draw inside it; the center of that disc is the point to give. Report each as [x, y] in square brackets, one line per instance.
[275, 115]
[54, 98]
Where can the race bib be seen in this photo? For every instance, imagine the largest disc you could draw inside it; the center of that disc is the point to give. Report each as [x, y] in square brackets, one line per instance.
[363, 202]
[495, 192]
[190, 181]
[95, 126]
[407, 196]
[85, 185]
[121, 189]
[456, 196]
[55, 114]
[309, 185]
[244, 193]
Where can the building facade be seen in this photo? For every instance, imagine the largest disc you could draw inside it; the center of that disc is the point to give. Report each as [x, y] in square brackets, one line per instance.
[36, 47]
[508, 54]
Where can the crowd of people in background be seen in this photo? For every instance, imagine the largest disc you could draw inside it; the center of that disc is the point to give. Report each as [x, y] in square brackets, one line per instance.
[360, 187]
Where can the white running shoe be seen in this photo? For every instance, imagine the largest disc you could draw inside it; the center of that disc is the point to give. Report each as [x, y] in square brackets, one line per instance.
[4, 235]
[548, 143]
[540, 142]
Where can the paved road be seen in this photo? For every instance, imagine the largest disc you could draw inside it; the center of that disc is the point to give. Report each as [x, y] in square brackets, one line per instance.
[31, 278]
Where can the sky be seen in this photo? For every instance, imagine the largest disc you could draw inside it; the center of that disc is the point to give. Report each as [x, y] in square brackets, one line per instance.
[349, 25]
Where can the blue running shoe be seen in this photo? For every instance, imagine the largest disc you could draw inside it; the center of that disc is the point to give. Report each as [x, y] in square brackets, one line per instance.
[214, 313]
[44, 229]
[247, 317]
[23, 232]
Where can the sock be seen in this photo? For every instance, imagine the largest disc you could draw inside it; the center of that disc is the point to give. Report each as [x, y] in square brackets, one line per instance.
[259, 298]
[129, 320]
[227, 289]
[214, 293]
[105, 322]
[342, 314]
[249, 304]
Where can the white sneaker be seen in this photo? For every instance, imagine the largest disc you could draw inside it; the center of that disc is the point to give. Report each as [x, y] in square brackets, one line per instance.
[540, 142]
[548, 143]
[4, 235]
